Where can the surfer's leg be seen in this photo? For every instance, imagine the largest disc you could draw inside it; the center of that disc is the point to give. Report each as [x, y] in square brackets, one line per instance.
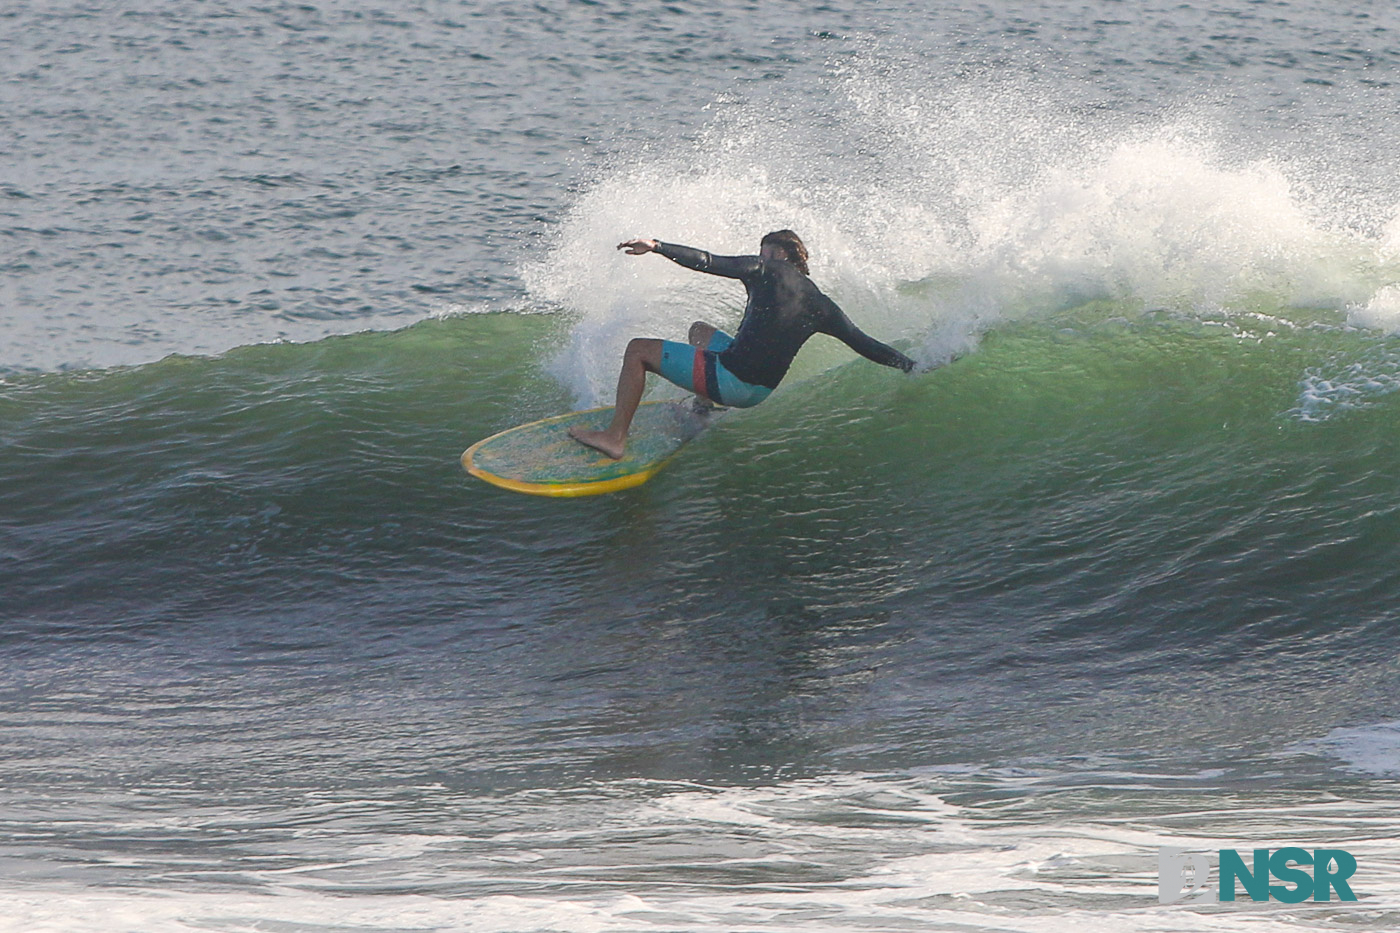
[704, 337]
[708, 337]
[700, 334]
[643, 356]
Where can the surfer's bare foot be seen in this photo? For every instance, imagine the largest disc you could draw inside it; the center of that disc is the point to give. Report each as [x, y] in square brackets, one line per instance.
[600, 441]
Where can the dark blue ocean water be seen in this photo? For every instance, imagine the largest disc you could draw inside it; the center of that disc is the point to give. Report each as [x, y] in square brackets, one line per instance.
[953, 651]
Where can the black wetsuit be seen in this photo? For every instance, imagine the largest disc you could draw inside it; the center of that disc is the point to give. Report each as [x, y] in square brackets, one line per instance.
[784, 309]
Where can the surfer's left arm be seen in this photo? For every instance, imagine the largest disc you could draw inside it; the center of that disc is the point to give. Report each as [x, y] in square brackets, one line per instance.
[839, 326]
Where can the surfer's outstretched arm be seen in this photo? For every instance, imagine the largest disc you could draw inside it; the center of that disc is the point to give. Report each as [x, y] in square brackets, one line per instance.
[731, 267]
[839, 326]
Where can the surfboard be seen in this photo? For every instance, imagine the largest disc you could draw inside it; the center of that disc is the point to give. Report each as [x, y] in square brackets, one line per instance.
[541, 459]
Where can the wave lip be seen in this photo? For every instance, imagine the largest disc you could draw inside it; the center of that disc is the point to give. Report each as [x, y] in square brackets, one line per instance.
[938, 211]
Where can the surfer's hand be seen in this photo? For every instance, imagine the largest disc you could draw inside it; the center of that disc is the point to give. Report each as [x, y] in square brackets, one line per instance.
[638, 247]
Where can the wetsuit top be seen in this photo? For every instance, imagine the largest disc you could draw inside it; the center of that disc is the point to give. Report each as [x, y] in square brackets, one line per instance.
[784, 309]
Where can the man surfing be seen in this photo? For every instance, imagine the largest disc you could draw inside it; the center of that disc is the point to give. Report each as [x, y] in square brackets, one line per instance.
[784, 309]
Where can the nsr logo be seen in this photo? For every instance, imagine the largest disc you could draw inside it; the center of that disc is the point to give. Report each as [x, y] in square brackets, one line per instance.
[1182, 875]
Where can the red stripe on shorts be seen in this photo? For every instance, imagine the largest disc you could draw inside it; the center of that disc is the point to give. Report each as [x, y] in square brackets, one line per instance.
[697, 374]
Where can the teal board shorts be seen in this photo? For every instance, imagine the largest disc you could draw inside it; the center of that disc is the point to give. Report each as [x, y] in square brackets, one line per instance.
[701, 372]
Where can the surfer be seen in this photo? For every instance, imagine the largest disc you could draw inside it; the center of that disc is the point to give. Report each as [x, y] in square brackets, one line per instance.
[784, 309]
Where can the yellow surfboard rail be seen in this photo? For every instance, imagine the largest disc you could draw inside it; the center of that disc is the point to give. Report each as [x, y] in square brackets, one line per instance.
[561, 490]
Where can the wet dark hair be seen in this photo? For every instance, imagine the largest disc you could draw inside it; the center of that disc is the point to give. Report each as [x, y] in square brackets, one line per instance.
[791, 244]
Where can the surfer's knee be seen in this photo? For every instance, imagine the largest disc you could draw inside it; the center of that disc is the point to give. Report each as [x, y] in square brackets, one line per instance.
[643, 350]
[700, 334]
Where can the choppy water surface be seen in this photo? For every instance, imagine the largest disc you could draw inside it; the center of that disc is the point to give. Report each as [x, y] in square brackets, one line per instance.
[953, 651]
